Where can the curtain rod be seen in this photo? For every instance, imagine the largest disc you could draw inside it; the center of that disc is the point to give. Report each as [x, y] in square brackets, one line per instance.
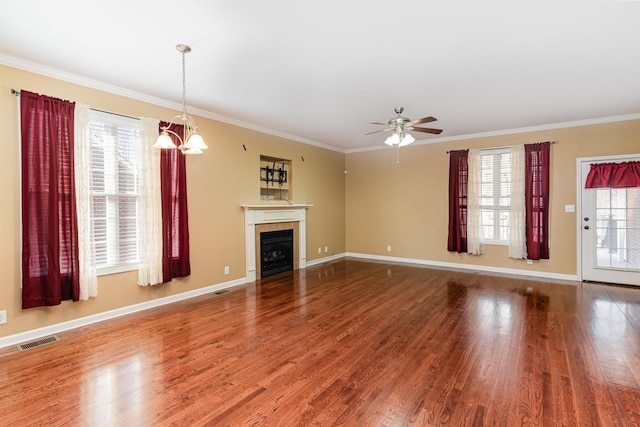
[16, 92]
[506, 146]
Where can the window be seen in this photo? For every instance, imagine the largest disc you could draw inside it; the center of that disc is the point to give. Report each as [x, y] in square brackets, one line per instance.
[496, 196]
[507, 199]
[115, 163]
[618, 228]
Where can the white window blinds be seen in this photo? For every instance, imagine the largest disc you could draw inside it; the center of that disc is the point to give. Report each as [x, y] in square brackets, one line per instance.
[496, 195]
[115, 163]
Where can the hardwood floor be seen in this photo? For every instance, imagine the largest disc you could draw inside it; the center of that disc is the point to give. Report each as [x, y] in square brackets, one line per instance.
[350, 343]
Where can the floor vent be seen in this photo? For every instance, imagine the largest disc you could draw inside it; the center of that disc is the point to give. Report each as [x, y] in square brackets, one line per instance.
[222, 292]
[37, 343]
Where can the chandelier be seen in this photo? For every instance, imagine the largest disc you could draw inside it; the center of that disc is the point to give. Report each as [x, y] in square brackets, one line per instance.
[190, 141]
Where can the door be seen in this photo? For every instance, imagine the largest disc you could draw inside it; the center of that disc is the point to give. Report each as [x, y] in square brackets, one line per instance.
[609, 229]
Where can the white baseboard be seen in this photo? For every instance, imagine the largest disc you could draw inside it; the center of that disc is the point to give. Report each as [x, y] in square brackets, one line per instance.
[488, 269]
[325, 259]
[123, 311]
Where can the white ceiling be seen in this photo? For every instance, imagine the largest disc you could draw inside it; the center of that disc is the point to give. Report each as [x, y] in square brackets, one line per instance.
[321, 71]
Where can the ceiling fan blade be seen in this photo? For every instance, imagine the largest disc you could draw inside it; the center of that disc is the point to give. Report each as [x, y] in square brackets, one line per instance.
[427, 130]
[376, 131]
[378, 123]
[422, 120]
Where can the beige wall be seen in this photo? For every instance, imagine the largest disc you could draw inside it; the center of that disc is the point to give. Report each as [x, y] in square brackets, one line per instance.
[405, 205]
[219, 181]
[382, 203]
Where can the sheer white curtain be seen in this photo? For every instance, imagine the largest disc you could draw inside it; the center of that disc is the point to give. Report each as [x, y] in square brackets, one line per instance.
[150, 207]
[475, 245]
[82, 159]
[517, 210]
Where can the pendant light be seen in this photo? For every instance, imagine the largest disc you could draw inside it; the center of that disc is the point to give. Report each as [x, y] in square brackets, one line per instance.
[190, 142]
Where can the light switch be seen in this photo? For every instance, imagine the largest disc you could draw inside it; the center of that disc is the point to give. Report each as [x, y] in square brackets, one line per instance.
[569, 208]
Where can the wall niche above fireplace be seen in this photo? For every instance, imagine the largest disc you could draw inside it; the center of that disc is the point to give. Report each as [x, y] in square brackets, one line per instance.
[275, 178]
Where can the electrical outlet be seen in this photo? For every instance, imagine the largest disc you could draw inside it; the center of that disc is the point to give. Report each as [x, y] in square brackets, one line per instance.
[388, 248]
[326, 249]
[319, 250]
[3, 317]
[529, 261]
[226, 269]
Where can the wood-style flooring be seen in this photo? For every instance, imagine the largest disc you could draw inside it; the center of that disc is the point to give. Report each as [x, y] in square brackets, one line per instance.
[350, 343]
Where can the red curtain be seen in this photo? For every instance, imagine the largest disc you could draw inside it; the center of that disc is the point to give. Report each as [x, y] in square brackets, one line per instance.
[537, 199]
[175, 219]
[50, 269]
[614, 175]
[458, 184]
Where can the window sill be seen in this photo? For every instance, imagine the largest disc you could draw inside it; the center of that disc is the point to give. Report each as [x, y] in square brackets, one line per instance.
[496, 242]
[123, 268]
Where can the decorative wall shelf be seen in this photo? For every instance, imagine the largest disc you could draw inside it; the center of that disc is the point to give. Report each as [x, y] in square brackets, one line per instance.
[275, 178]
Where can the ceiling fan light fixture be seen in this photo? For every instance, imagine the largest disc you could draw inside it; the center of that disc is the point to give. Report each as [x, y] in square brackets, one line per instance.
[400, 139]
[400, 126]
[408, 139]
[393, 139]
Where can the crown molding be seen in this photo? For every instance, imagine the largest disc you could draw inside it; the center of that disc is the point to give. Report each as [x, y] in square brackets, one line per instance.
[551, 126]
[117, 90]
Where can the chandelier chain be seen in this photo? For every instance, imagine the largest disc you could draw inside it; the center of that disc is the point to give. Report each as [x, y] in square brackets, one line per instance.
[190, 141]
[184, 87]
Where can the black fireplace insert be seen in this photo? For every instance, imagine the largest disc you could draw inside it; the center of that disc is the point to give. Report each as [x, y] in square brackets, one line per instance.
[276, 252]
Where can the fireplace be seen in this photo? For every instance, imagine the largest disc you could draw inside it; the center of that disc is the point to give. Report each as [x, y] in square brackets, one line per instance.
[266, 218]
[276, 252]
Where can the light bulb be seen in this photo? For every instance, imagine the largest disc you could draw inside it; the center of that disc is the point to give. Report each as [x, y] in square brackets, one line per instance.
[408, 139]
[195, 141]
[164, 141]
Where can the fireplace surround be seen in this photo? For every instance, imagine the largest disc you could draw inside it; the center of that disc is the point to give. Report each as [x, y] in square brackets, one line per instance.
[263, 218]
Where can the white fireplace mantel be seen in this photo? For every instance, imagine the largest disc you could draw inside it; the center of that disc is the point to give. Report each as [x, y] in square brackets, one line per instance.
[269, 214]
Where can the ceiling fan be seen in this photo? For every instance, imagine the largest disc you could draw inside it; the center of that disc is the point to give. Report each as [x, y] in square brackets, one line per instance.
[401, 127]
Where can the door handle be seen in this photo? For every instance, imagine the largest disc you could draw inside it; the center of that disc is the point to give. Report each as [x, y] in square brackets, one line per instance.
[586, 218]
[586, 227]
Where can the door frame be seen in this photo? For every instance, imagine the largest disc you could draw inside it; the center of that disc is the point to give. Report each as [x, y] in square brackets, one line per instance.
[579, 214]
